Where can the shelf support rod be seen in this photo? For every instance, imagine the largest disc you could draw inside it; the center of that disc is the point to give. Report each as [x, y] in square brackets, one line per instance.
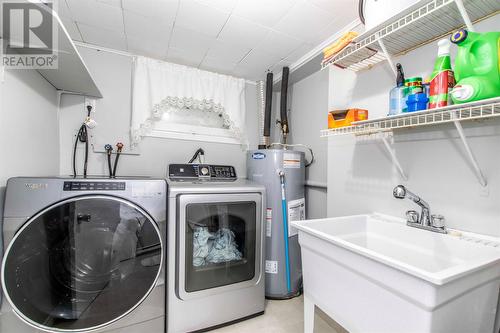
[387, 56]
[465, 16]
[393, 156]
[470, 154]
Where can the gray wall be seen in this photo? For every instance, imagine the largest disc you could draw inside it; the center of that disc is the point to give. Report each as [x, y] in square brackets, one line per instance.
[28, 129]
[112, 73]
[308, 115]
[28, 126]
[360, 173]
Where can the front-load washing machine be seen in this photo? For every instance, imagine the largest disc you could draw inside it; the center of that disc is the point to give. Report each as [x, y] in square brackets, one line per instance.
[84, 255]
[215, 245]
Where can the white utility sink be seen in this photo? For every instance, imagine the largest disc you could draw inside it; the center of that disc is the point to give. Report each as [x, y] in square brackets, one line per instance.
[372, 273]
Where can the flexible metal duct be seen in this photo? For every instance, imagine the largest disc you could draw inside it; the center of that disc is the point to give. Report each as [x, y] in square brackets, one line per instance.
[261, 107]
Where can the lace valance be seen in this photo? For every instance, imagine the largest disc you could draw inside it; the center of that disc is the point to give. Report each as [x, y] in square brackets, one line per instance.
[160, 87]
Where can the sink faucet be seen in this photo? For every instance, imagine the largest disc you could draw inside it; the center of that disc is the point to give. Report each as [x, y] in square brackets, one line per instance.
[426, 221]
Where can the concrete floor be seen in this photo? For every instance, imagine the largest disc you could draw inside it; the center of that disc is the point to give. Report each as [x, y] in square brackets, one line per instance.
[279, 317]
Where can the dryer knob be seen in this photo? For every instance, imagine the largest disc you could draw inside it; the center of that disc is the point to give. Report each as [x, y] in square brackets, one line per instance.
[204, 171]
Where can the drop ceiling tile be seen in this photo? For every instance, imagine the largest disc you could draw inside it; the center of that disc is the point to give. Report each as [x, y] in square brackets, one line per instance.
[259, 61]
[116, 3]
[338, 7]
[198, 17]
[190, 41]
[227, 52]
[182, 57]
[72, 29]
[147, 47]
[97, 14]
[304, 21]
[265, 12]
[149, 28]
[217, 65]
[62, 9]
[103, 37]
[225, 5]
[164, 9]
[242, 32]
[333, 28]
[279, 44]
[299, 52]
[248, 73]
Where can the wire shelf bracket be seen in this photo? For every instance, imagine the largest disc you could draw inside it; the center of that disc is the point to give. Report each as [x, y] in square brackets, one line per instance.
[394, 157]
[470, 154]
[455, 114]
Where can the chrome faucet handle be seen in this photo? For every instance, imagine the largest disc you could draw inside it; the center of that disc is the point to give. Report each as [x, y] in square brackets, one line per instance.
[412, 216]
[438, 221]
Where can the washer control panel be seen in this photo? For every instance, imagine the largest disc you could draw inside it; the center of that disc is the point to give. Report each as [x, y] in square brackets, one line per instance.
[93, 186]
[201, 172]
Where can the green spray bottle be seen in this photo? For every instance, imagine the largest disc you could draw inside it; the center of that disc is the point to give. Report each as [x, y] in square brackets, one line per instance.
[442, 78]
[477, 66]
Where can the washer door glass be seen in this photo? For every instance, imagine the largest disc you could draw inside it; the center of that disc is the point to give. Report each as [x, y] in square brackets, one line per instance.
[220, 244]
[82, 263]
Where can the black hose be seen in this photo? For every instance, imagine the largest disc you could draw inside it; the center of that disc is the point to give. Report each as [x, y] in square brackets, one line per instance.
[197, 153]
[86, 159]
[268, 106]
[118, 153]
[82, 136]
[109, 165]
[284, 96]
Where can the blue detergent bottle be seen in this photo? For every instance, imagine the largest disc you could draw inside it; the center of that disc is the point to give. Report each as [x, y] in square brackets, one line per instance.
[398, 94]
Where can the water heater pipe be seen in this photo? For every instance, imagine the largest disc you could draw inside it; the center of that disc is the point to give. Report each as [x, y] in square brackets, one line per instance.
[267, 110]
[283, 104]
[285, 231]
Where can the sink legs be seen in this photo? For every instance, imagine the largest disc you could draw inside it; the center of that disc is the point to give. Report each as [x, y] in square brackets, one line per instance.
[308, 315]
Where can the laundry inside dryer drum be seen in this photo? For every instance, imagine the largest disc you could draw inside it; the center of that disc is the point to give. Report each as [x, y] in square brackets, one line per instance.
[82, 263]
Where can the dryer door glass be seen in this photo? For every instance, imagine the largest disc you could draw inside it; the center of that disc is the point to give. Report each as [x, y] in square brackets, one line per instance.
[82, 263]
[220, 244]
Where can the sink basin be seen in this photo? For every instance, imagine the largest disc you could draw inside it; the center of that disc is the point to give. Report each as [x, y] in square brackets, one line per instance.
[372, 273]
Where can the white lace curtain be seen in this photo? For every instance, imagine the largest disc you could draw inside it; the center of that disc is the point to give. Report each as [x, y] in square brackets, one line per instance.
[160, 87]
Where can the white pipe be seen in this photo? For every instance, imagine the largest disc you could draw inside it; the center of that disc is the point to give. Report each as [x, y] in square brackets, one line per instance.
[394, 158]
[472, 159]
[388, 57]
[465, 16]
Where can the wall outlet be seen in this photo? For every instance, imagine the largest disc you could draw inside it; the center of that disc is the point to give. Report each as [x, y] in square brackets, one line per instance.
[91, 102]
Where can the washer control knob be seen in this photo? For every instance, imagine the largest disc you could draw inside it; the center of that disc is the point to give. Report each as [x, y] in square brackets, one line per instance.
[204, 171]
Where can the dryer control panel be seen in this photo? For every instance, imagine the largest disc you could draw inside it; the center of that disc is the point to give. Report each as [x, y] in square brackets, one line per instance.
[201, 172]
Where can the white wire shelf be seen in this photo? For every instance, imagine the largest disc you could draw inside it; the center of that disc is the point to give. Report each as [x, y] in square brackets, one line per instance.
[469, 111]
[420, 24]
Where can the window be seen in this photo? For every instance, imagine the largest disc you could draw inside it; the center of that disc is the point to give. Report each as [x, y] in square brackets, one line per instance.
[198, 124]
[181, 102]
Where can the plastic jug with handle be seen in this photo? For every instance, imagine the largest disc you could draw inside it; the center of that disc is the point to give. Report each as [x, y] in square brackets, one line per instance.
[477, 66]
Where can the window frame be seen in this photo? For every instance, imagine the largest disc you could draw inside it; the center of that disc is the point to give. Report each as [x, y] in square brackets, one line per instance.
[166, 130]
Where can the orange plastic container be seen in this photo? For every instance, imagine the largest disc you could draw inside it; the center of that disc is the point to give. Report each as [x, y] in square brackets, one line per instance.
[342, 118]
